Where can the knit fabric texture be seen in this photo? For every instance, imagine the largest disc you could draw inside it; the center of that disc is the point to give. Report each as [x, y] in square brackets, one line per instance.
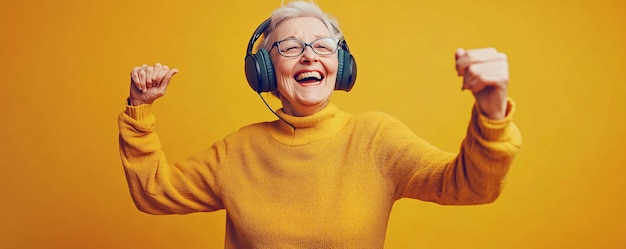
[329, 183]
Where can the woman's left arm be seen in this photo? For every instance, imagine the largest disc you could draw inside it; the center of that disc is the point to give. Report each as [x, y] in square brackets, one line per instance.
[475, 174]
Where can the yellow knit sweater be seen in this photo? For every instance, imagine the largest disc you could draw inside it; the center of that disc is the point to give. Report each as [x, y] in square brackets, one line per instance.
[330, 183]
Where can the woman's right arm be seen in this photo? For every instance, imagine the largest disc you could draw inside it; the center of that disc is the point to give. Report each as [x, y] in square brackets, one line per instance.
[156, 186]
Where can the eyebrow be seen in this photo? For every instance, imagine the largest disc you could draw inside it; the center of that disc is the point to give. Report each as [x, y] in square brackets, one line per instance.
[315, 37]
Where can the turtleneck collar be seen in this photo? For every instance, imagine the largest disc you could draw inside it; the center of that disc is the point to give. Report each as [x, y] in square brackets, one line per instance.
[321, 125]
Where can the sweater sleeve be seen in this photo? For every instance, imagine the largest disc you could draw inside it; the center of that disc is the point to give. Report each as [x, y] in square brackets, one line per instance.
[474, 175]
[156, 186]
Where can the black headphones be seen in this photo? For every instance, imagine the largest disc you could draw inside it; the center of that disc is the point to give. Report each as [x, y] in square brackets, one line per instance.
[260, 71]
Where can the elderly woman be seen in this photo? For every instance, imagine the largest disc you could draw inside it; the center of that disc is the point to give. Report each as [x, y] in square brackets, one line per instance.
[318, 177]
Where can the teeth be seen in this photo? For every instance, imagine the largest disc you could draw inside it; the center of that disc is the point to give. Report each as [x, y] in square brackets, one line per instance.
[306, 75]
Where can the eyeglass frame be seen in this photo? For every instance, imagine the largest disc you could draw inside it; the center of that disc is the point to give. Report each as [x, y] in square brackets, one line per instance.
[276, 43]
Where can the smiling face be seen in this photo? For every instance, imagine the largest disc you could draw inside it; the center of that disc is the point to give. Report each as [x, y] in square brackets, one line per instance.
[305, 82]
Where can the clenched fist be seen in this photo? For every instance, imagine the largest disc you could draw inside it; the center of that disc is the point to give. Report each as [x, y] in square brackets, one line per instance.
[486, 73]
[148, 83]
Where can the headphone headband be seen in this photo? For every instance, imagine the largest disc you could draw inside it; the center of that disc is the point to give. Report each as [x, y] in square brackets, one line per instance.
[257, 34]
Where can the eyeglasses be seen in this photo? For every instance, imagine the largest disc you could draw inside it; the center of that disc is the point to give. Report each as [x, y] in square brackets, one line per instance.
[292, 47]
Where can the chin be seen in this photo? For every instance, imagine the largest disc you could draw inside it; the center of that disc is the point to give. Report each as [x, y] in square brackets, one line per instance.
[311, 101]
[313, 97]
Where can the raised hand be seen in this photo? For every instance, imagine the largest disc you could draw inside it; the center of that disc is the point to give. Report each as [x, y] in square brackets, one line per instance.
[148, 83]
[486, 73]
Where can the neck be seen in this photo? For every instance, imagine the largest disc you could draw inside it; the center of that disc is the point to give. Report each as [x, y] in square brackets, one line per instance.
[300, 110]
[323, 124]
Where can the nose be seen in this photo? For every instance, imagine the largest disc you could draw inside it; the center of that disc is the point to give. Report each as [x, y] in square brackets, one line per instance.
[309, 55]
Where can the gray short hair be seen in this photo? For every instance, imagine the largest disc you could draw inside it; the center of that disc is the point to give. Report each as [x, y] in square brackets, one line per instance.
[300, 9]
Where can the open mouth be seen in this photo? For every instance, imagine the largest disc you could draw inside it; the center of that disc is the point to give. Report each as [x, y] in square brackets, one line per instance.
[309, 77]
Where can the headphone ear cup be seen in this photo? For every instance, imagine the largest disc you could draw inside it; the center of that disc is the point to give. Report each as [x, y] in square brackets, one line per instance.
[253, 70]
[346, 73]
[260, 71]
[267, 70]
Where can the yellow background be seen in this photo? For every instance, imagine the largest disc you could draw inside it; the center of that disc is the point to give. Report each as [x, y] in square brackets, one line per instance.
[64, 78]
